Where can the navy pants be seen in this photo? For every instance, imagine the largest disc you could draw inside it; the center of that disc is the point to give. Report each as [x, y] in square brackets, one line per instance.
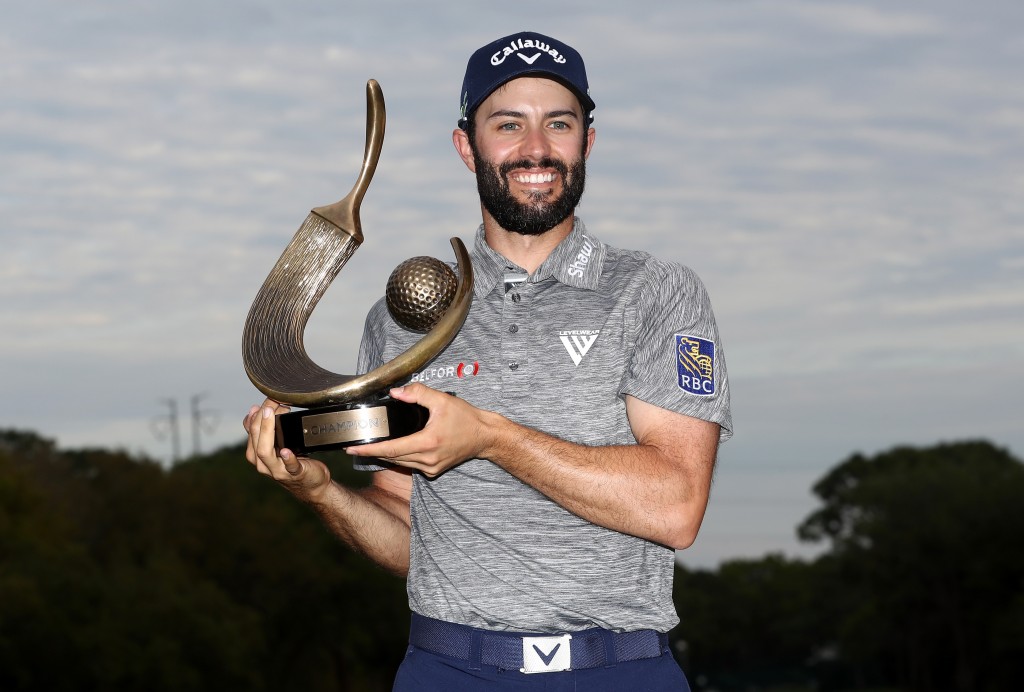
[423, 671]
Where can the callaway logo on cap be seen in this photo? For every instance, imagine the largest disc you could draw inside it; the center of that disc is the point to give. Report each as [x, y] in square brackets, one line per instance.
[519, 55]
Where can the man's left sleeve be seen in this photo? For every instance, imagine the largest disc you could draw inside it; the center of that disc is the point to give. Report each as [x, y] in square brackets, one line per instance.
[677, 361]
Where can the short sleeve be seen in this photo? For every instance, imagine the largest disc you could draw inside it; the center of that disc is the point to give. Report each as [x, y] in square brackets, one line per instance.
[677, 361]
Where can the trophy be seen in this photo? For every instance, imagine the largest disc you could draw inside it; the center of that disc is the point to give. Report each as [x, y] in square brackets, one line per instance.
[422, 294]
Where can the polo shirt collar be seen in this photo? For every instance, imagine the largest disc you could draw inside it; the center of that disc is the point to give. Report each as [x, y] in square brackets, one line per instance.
[576, 261]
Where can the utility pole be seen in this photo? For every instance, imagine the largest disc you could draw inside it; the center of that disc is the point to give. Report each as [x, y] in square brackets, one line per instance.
[202, 421]
[167, 426]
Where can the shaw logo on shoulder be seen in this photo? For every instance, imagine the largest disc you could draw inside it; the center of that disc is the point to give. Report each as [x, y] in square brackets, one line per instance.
[579, 265]
[695, 362]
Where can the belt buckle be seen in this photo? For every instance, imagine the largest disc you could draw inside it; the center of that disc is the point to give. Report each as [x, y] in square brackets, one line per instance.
[547, 654]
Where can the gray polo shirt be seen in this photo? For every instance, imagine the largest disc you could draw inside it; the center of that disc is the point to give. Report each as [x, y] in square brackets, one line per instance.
[556, 351]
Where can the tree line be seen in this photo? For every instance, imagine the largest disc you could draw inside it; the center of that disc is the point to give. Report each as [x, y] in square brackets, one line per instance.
[117, 573]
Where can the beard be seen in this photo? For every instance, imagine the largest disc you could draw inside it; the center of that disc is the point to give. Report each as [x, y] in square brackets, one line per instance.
[537, 215]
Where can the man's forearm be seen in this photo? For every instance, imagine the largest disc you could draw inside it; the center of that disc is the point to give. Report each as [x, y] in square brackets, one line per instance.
[371, 521]
[645, 490]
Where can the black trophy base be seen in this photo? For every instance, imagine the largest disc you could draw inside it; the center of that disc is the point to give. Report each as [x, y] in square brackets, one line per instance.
[348, 425]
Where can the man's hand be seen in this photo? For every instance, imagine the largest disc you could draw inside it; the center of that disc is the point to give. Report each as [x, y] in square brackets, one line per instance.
[455, 432]
[373, 520]
[304, 477]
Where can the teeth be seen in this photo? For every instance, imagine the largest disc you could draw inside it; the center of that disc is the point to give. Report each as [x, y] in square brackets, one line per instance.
[536, 178]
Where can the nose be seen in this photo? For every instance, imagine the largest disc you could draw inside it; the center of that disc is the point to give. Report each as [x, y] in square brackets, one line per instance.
[535, 145]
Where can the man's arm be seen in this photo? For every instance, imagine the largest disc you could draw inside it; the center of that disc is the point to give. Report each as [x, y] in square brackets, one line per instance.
[656, 489]
[373, 521]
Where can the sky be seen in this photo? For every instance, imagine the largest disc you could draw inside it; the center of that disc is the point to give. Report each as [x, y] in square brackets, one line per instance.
[844, 176]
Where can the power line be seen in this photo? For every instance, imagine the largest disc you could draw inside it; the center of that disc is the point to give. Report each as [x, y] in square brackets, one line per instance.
[167, 426]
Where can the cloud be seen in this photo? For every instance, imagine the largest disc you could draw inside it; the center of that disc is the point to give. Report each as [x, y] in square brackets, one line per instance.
[843, 176]
[846, 20]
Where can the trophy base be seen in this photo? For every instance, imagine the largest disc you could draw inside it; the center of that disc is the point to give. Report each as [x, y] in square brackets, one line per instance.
[348, 425]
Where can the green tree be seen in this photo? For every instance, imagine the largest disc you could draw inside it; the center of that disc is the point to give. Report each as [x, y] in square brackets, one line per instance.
[751, 624]
[332, 620]
[90, 596]
[118, 574]
[927, 543]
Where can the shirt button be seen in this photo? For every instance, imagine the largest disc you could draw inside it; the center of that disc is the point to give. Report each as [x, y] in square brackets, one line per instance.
[513, 328]
[513, 365]
[516, 298]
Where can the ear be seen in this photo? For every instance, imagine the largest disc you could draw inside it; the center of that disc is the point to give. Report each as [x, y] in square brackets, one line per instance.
[591, 136]
[461, 141]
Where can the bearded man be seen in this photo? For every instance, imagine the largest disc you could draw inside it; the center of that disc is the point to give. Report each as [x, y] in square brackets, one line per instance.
[537, 514]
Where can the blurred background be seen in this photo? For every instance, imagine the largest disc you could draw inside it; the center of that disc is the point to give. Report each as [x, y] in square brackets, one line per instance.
[844, 176]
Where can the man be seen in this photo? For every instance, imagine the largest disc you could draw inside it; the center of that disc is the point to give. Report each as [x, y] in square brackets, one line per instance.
[537, 514]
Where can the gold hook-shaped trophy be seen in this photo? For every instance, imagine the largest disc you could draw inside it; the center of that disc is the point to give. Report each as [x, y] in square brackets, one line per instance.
[345, 410]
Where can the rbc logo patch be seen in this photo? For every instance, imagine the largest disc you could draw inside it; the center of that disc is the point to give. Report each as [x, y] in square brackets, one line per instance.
[695, 361]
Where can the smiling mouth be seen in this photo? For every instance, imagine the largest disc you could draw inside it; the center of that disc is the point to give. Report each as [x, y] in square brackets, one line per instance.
[534, 178]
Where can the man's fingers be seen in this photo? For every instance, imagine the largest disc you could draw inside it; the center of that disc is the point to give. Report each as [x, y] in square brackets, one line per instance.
[247, 419]
[415, 393]
[392, 450]
[265, 434]
[301, 475]
[260, 447]
[291, 464]
[251, 427]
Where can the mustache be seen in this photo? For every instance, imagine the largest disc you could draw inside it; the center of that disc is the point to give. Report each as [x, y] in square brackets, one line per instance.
[547, 162]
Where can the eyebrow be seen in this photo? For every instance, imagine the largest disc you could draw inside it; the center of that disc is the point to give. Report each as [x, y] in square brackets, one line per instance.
[518, 114]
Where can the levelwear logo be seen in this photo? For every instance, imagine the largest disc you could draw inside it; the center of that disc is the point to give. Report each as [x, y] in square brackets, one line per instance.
[695, 363]
[578, 341]
[528, 50]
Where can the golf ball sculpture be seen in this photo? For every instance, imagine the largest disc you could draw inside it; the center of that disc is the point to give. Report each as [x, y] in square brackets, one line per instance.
[419, 292]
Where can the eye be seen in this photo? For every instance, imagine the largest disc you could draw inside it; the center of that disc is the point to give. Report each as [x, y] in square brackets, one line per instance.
[508, 126]
[559, 125]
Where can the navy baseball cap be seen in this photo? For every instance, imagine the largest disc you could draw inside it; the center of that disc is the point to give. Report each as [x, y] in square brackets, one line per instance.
[520, 55]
